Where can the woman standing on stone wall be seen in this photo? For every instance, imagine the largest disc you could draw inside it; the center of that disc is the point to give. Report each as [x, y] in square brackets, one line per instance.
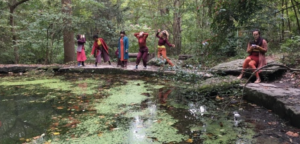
[123, 49]
[162, 41]
[143, 49]
[81, 57]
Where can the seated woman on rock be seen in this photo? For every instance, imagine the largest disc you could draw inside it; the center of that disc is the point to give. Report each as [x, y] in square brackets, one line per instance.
[256, 58]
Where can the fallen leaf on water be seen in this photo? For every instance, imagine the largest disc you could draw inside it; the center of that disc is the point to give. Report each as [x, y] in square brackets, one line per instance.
[219, 98]
[99, 134]
[60, 107]
[190, 141]
[272, 123]
[36, 137]
[56, 133]
[22, 139]
[102, 116]
[146, 94]
[292, 134]
[55, 124]
[209, 135]
[221, 124]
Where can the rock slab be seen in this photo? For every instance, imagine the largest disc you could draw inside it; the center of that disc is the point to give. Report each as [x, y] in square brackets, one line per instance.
[235, 67]
[283, 101]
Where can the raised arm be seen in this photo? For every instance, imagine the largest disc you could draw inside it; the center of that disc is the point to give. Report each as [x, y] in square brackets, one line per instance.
[145, 35]
[157, 35]
[136, 35]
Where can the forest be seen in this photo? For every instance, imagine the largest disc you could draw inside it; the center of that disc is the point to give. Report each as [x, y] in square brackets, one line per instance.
[212, 31]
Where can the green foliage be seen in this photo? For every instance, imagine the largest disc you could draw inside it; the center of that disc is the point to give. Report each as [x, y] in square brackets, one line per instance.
[228, 17]
[39, 26]
[225, 25]
[290, 50]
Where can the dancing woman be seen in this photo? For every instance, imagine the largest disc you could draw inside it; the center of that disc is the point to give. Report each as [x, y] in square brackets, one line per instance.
[143, 49]
[163, 40]
[100, 49]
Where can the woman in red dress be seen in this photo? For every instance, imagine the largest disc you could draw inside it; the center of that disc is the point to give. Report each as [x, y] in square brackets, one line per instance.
[81, 57]
[256, 58]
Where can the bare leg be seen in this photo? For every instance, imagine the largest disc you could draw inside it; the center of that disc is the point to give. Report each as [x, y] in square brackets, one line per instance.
[245, 65]
[252, 64]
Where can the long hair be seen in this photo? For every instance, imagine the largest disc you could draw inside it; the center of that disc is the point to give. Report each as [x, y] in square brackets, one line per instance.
[165, 34]
[78, 37]
[259, 40]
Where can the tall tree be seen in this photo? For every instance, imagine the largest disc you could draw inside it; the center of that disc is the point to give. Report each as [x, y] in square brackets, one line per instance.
[298, 23]
[177, 26]
[12, 6]
[68, 34]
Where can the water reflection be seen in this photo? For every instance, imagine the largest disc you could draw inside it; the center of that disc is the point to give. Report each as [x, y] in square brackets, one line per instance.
[21, 120]
[137, 131]
[197, 109]
[163, 95]
[141, 123]
[84, 103]
[236, 118]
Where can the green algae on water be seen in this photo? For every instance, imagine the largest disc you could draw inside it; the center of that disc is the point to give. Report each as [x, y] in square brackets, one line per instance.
[222, 130]
[29, 82]
[122, 97]
[84, 86]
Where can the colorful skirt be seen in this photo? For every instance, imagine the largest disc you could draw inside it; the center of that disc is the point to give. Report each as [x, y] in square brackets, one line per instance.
[102, 53]
[81, 55]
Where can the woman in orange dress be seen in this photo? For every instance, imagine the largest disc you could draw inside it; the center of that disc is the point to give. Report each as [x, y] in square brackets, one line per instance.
[123, 49]
[162, 41]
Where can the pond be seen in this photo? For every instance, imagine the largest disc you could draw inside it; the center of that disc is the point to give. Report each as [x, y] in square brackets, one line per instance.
[120, 109]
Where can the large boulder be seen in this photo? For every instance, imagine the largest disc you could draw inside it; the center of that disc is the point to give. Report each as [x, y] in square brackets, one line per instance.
[234, 68]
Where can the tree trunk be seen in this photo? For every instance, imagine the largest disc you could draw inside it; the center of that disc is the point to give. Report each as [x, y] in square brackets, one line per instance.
[287, 14]
[12, 8]
[282, 22]
[177, 28]
[69, 51]
[298, 24]
[14, 37]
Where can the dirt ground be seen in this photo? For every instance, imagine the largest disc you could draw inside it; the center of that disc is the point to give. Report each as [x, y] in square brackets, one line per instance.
[289, 79]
